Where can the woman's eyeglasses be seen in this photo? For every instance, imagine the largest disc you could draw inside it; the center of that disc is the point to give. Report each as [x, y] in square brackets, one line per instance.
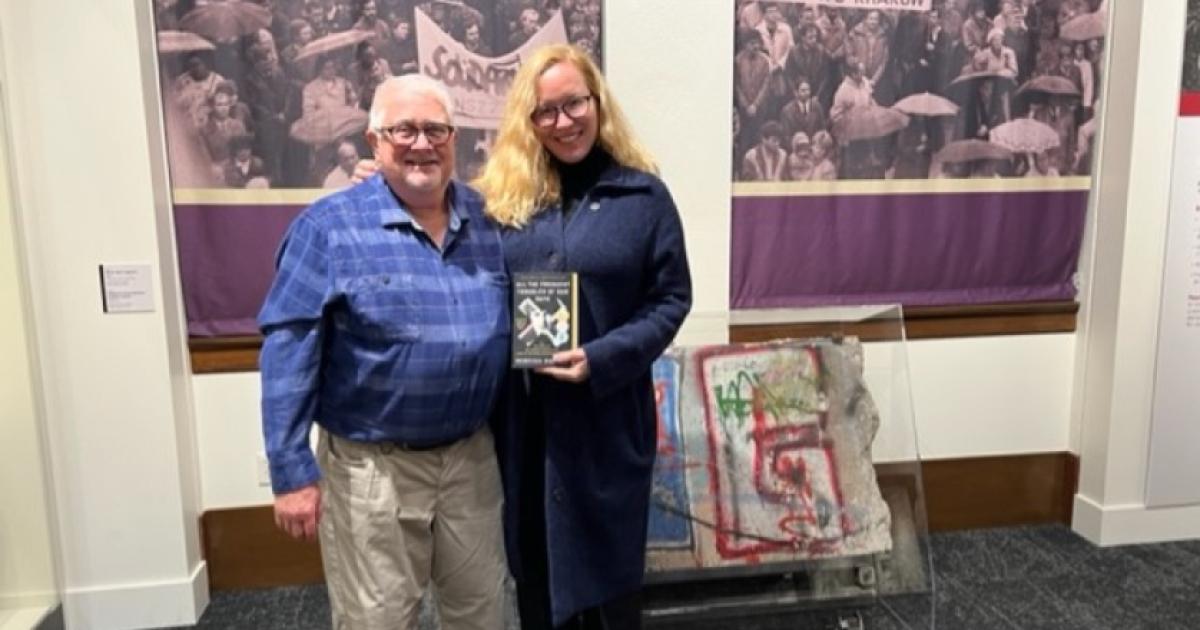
[575, 107]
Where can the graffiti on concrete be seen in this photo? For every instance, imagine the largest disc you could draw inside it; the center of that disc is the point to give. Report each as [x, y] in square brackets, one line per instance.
[764, 456]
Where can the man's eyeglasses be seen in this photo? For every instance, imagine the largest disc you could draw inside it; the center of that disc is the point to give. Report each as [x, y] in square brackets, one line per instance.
[405, 133]
[575, 108]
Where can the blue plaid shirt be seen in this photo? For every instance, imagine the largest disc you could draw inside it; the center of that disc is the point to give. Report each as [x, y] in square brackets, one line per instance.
[376, 334]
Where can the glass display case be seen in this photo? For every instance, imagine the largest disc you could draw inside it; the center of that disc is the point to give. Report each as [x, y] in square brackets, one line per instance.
[788, 478]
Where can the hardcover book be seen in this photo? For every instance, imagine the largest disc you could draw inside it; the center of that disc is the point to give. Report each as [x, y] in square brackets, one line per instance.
[545, 316]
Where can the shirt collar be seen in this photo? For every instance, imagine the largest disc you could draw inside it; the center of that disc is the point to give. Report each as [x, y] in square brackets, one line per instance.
[392, 210]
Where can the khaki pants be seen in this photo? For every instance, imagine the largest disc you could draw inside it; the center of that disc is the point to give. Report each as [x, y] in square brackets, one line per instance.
[392, 519]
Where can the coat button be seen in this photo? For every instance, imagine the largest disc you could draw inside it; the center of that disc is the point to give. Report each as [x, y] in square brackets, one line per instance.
[553, 259]
[558, 495]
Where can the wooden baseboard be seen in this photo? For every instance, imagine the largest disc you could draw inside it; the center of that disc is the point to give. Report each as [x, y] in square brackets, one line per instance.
[213, 355]
[933, 322]
[1000, 491]
[245, 550]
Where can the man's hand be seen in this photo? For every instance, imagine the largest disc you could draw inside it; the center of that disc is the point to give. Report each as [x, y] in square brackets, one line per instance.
[298, 512]
[363, 170]
[570, 366]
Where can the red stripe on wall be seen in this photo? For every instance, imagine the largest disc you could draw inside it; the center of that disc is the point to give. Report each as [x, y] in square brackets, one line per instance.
[1189, 103]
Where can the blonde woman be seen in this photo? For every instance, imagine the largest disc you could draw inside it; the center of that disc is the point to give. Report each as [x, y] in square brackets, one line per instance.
[573, 191]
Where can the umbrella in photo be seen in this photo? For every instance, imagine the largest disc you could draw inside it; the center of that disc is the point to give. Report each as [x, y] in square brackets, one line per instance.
[332, 42]
[1084, 27]
[326, 126]
[224, 21]
[1049, 84]
[866, 123]
[964, 85]
[181, 42]
[972, 150]
[926, 104]
[1025, 135]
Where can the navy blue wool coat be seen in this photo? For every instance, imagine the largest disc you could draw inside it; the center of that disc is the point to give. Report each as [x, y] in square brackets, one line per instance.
[626, 243]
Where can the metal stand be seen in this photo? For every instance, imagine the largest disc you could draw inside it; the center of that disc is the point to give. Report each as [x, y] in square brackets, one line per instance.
[824, 594]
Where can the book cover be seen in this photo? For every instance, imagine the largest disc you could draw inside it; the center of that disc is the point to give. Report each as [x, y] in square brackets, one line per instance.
[545, 316]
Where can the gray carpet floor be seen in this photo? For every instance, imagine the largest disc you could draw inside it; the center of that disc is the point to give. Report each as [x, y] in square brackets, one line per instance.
[1022, 578]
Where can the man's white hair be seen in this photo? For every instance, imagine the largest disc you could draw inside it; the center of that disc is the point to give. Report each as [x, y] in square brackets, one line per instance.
[408, 83]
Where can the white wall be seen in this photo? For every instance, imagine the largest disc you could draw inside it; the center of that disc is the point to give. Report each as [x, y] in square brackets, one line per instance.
[985, 396]
[27, 570]
[115, 386]
[674, 78]
[229, 432]
[1114, 370]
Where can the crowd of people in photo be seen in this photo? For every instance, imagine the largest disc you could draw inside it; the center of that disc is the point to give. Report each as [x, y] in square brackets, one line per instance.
[826, 93]
[242, 95]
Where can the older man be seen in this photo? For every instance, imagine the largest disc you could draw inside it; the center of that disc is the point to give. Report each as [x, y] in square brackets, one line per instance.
[388, 325]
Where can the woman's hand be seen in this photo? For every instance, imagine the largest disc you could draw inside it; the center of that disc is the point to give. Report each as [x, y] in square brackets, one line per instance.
[363, 170]
[570, 366]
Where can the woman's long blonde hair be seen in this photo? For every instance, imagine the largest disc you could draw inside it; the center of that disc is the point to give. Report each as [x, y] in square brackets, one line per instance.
[518, 179]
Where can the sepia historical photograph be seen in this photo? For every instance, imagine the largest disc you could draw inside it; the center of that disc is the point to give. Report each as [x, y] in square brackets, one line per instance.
[938, 89]
[275, 93]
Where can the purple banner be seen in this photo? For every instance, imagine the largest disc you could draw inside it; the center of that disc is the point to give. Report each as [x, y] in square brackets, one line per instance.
[227, 261]
[882, 115]
[917, 249]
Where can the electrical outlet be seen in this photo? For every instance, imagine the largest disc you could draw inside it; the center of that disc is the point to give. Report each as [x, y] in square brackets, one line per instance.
[264, 470]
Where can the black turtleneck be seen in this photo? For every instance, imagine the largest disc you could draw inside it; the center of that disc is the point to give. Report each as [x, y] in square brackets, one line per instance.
[578, 178]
